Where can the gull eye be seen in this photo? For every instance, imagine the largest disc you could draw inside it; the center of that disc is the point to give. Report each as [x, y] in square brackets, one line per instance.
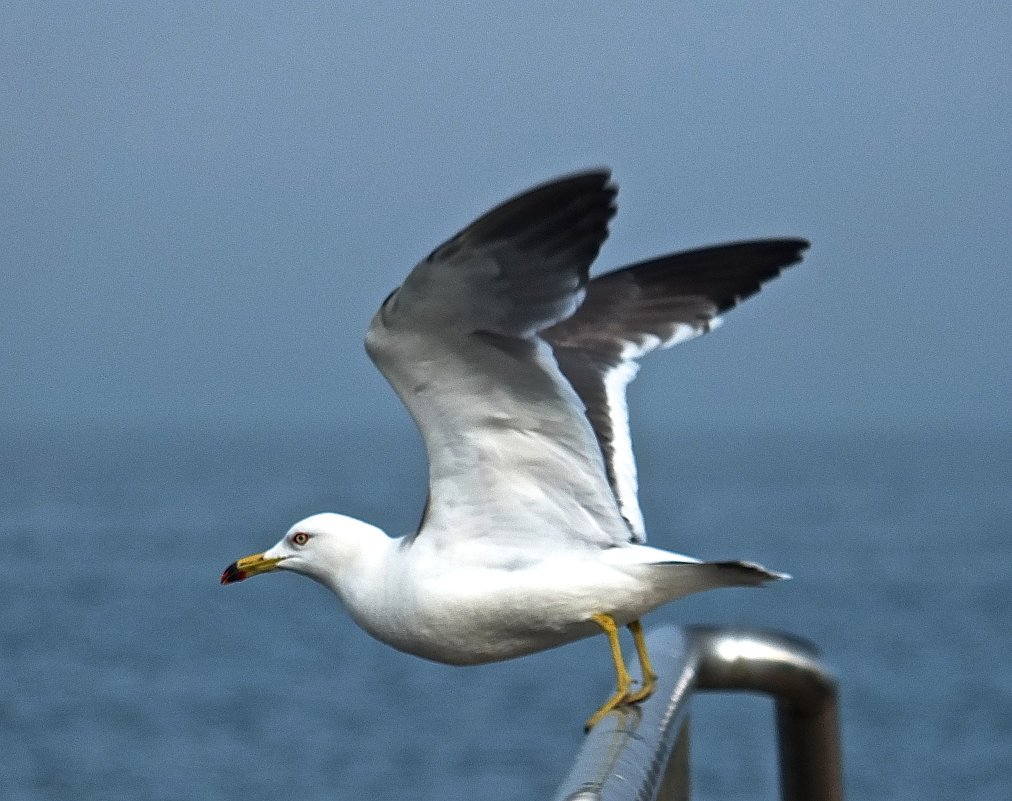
[300, 538]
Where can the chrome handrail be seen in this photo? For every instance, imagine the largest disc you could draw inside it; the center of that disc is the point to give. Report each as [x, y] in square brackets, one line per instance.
[641, 752]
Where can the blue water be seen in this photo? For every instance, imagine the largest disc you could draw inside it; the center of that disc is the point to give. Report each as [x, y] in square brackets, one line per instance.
[127, 672]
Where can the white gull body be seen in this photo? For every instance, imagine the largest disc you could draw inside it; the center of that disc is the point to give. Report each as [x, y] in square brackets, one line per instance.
[514, 364]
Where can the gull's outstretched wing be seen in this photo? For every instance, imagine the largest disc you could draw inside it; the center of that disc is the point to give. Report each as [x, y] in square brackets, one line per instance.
[654, 304]
[511, 453]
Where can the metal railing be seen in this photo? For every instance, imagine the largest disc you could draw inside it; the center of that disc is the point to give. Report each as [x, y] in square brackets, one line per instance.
[642, 752]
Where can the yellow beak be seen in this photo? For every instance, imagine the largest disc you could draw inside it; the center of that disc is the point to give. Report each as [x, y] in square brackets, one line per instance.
[250, 566]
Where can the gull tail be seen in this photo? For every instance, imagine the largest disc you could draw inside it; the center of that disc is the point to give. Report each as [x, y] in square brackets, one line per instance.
[745, 574]
[685, 578]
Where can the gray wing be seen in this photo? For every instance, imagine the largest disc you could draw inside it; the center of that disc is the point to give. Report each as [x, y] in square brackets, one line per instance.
[511, 453]
[650, 305]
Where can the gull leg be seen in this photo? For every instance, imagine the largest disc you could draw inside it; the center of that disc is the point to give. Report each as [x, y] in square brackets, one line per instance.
[649, 677]
[623, 681]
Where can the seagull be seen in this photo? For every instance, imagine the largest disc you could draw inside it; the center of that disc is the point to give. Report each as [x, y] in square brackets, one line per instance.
[514, 363]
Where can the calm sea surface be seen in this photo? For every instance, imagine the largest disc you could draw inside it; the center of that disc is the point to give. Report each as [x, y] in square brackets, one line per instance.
[127, 672]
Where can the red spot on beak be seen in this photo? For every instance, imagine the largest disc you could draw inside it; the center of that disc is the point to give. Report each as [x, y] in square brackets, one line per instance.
[233, 574]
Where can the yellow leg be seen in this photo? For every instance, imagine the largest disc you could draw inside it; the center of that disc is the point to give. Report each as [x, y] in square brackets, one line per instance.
[623, 681]
[649, 677]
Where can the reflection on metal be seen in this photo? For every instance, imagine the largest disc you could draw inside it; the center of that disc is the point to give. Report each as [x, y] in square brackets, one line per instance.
[642, 752]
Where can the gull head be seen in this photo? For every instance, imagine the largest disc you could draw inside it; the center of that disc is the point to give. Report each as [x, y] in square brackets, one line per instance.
[318, 547]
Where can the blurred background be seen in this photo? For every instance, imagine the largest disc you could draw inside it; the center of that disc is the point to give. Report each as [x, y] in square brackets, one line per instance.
[201, 207]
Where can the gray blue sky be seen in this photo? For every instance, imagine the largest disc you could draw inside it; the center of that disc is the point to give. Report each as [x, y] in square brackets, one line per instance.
[202, 204]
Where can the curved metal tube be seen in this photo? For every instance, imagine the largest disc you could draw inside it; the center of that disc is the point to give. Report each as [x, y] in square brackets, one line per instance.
[641, 752]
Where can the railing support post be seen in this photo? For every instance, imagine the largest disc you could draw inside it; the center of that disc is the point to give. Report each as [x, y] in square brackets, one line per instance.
[676, 783]
[641, 752]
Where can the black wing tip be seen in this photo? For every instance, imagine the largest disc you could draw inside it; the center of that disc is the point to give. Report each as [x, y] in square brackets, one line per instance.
[591, 189]
[567, 187]
[581, 204]
[599, 177]
[788, 250]
[792, 247]
[747, 263]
